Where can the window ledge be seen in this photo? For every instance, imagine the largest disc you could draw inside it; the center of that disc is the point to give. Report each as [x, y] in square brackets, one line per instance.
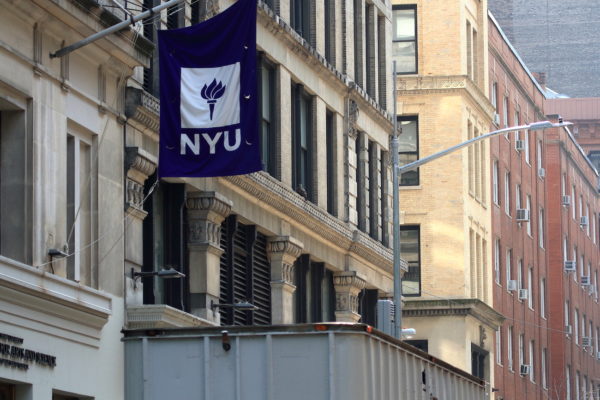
[156, 316]
[51, 294]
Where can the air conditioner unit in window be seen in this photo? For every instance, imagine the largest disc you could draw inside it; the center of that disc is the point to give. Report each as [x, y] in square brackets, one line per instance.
[570, 266]
[583, 221]
[385, 316]
[568, 330]
[511, 285]
[523, 294]
[524, 370]
[585, 281]
[541, 172]
[586, 341]
[519, 145]
[522, 215]
[497, 119]
[566, 200]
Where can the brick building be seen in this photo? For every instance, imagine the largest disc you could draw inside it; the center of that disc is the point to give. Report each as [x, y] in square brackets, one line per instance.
[544, 218]
[557, 37]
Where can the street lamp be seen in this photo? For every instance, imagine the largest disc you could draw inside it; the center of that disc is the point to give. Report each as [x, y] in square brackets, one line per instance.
[398, 170]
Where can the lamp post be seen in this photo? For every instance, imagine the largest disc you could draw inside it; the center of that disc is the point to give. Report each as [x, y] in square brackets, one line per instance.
[399, 170]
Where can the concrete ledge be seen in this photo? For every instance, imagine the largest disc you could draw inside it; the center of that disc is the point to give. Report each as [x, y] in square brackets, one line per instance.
[154, 316]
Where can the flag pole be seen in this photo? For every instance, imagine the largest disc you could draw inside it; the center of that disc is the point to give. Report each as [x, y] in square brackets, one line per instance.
[99, 35]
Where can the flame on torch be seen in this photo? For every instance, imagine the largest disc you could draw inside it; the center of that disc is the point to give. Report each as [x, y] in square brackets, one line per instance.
[212, 93]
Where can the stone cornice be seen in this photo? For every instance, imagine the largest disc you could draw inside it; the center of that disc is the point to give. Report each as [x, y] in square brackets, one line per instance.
[275, 24]
[157, 316]
[142, 107]
[417, 85]
[453, 307]
[263, 187]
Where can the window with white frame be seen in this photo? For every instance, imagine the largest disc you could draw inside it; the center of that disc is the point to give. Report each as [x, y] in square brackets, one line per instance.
[508, 266]
[526, 151]
[81, 205]
[563, 185]
[495, 188]
[580, 206]
[528, 206]
[544, 369]
[541, 228]
[521, 349]
[505, 113]
[497, 261]
[539, 157]
[577, 378]
[520, 274]
[404, 38]
[565, 249]
[530, 288]
[507, 193]
[587, 216]
[576, 325]
[516, 123]
[532, 361]
[509, 348]
[573, 202]
[518, 197]
[568, 383]
[499, 346]
[494, 95]
[543, 298]
[567, 311]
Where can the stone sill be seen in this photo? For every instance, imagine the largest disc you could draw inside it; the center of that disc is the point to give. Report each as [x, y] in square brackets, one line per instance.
[155, 316]
[59, 296]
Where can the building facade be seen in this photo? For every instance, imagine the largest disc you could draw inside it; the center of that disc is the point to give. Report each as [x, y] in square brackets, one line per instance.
[446, 228]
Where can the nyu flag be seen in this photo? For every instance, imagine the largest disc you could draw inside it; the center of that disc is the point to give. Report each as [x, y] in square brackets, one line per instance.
[208, 96]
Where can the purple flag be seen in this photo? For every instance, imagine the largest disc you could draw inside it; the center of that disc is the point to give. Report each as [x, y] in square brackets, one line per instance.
[208, 96]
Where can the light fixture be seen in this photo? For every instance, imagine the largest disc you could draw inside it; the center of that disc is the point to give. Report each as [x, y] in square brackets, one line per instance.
[170, 273]
[57, 253]
[242, 305]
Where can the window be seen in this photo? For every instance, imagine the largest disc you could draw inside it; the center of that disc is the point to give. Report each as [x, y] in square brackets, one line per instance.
[544, 368]
[151, 73]
[367, 306]
[469, 50]
[15, 183]
[374, 203]
[568, 383]
[495, 189]
[404, 39]
[497, 273]
[567, 311]
[81, 206]
[509, 348]
[507, 193]
[539, 157]
[175, 17]
[576, 327]
[164, 244]
[494, 95]
[541, 228]
[359, 41]
[516, 123]
[330, 140]
[302, 142]
[329, 7]
[543, 298]
[410, 250]
[532, 361]
[499, 346]
[245, 273]
[300, 17]
[520, 275]
[526, 151]
[478, 361]
[574, 205]
[267, 116]
[383, 196]
[408, 148]
[518, 197]
[528, 206]
[577, 378]
[508, 266]
[530, 288]
[315, 294]
[505, 113]
[563, 185]
[521, 349]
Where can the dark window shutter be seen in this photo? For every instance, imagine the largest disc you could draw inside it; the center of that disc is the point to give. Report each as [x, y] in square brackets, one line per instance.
[262, 282]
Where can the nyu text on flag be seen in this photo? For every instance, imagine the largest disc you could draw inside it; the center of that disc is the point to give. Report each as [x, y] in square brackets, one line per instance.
[208, 96]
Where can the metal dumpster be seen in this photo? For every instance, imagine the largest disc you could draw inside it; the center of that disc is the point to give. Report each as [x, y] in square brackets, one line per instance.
[292, 362]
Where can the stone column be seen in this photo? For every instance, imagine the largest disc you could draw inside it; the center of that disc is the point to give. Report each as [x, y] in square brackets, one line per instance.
[138, 166]
[206, 211]
[347, 287]
[283, 251]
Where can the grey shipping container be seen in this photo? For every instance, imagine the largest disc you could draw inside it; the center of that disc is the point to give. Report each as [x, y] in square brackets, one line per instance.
[292, 362]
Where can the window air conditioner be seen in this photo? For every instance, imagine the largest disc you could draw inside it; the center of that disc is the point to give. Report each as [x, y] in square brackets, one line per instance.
[566, 200]
[511, 285]
[568, 330]
[583, 221]
[523, 294]
[524, 370]
[497, 119]
[541, 172]
[570, 266]
[586, 341]
[522, 215]
[585, 281]
[520, 145]
[385, 316]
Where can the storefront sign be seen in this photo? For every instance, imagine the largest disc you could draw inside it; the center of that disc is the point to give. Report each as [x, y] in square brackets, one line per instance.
[14, 356]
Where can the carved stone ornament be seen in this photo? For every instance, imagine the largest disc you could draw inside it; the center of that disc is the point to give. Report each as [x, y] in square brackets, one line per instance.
[282, 252]
[353, 112]
[206, 212]
[347, 287]
[138, 166]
